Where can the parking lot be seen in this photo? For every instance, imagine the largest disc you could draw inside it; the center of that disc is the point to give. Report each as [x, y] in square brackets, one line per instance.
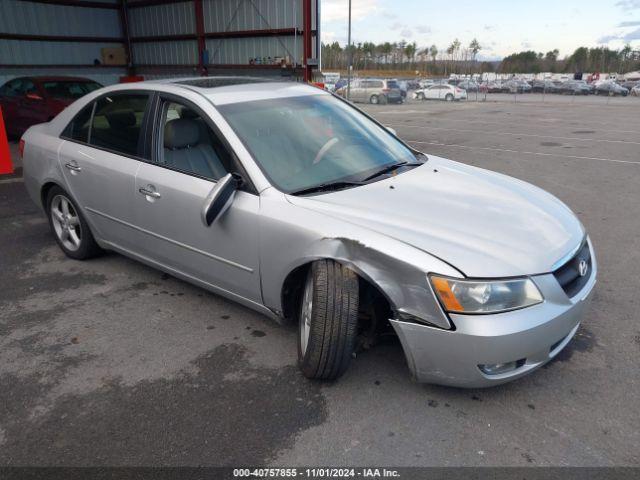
[109, 362]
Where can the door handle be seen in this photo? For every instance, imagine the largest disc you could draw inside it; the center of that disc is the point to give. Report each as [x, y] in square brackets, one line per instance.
[148, 192]
[73, 167]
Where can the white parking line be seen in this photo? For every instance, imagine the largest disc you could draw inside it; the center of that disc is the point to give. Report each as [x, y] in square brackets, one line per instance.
[541, 154]
[554, 123]
[466, 130]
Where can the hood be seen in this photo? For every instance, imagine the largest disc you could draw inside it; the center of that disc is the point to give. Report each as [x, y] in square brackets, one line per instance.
[483, 223]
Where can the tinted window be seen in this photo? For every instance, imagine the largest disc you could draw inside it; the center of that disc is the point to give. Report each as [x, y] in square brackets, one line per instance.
[117, 122]
[189, 144]
[79, 128]
[18, 87]
[66, 89]
[393, 84]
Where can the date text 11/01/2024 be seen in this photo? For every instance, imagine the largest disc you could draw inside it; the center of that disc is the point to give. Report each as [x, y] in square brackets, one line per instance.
[316, 473]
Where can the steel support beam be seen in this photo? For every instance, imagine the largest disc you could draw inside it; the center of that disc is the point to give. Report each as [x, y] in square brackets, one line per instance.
[307, 39]
[202, 45]
[59, 38]
[124, 25]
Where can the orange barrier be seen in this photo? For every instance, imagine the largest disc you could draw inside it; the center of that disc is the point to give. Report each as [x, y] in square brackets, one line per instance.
[6, 166]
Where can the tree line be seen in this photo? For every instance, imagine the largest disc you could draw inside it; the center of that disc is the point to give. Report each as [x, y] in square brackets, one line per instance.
[462, 59]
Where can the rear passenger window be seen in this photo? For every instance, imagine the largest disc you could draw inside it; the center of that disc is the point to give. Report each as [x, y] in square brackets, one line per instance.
[117, 122]
[189, 145]
[79, 128]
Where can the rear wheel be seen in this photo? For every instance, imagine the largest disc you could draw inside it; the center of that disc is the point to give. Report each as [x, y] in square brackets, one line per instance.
[328, 318]
[374, 99]
[449, 97]
[69, 226]
[420, 96]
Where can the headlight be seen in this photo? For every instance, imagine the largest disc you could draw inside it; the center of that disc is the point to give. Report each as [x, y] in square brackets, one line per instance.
[480, 296]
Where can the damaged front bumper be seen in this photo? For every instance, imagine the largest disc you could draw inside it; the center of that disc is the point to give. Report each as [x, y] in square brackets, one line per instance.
[525, 339]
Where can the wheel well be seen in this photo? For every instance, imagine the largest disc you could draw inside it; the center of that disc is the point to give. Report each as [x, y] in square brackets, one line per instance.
[45, 191]
[374, 306]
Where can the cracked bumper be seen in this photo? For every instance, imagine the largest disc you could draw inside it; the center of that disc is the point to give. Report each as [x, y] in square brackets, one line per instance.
[531, 336]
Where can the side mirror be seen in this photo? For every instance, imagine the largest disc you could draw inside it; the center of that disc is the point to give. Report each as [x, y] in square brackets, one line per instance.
[33, 96]
[219, 199]
[392, 131]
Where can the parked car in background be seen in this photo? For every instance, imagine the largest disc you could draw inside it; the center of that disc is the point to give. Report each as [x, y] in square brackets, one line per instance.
[425, 83]
[404, 88]
[493, 87]
[610, 88]
[576, 87]
[546, 86]
[27, 101]
[630, 84]
[293, 203]
[516, 85]
[469, 86]
[374, 91]
[443, 91]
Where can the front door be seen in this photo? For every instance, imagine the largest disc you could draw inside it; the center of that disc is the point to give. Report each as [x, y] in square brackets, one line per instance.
[189, 157]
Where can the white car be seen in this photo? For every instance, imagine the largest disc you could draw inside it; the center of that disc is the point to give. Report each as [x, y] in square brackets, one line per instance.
[444, 92]
[635, 91]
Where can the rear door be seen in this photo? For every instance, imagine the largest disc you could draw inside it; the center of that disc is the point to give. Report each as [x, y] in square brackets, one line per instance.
[189, 157]
[103, 150]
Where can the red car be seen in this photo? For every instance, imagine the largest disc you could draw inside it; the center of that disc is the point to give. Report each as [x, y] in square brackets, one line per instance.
[26, 101]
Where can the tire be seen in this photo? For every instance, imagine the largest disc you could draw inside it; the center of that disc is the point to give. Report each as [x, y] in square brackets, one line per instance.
[374, 100]
[448, 97]
[327, 320]
[69, 227]
[420, 96]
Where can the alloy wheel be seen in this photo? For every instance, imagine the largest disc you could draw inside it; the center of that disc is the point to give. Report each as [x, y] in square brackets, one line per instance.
[66, 222]
[306, 310]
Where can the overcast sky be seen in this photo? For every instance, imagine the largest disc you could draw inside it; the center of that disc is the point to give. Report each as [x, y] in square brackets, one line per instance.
[501, 26]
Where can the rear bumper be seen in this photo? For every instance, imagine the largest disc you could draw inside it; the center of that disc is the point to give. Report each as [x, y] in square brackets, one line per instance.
[531, 337]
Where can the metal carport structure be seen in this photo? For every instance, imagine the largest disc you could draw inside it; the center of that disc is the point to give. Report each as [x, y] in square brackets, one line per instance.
[158, 38]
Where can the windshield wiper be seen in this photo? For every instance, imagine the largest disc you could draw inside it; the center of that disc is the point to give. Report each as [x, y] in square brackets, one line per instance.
[326, 187]
[390, 168]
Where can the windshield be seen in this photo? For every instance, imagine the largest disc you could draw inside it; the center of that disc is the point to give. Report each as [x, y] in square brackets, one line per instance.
[303, 142]
[70, 89]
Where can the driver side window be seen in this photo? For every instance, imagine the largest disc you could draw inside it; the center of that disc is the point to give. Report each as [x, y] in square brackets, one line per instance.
[189, 145]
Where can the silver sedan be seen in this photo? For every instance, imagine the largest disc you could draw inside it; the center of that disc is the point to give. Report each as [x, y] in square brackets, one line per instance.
[294, 203]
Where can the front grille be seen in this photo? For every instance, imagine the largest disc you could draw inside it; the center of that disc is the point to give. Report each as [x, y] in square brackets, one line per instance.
[569, 276]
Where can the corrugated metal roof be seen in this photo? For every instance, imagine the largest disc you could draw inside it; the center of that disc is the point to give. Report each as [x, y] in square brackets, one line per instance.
[22, 52]
[174, 53]
[170, 19]
[43, 19]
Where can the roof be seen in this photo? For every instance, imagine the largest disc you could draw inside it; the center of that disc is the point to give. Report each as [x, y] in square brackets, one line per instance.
[227, 89]
[58, 78]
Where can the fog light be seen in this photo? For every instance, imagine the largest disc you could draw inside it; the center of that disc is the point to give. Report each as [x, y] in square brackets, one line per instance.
[498, 368]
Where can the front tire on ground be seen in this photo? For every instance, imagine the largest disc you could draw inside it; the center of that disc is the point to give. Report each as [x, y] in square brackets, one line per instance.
[69, 227]
[327, 320]
[449, 97]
